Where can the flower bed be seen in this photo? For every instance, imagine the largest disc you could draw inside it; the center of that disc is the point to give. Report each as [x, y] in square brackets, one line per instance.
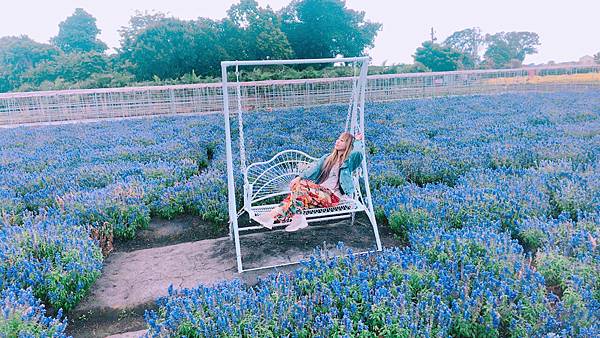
[24, 316]
[520, 164]
[52, 255]
[468, 283]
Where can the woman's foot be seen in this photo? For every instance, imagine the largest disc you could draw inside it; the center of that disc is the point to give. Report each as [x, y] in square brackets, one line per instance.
[298, 222]
[267, 220]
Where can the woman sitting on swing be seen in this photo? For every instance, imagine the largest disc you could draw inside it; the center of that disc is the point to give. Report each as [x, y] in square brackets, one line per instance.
[322, 186]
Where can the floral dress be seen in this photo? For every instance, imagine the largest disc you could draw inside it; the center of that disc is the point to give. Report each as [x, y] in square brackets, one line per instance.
[306, 194]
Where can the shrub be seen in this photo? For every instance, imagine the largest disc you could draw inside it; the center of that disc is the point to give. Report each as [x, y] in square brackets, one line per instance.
[22, 315]
[52, 255]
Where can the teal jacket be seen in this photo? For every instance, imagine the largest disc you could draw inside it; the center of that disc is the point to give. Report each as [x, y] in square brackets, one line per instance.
[350, 164]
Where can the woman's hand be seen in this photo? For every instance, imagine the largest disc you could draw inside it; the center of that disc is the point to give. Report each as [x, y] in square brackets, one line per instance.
[294, 181]
[359, 136]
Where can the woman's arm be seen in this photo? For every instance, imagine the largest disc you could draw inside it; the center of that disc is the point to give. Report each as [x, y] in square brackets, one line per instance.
[292, 182]
[312, 173]
[356, 156]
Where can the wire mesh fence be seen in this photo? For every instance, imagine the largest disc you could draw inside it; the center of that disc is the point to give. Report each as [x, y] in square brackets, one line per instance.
[50, 107]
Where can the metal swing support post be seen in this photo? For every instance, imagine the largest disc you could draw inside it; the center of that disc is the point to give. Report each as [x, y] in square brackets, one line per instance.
[358, 101]
[361, 106]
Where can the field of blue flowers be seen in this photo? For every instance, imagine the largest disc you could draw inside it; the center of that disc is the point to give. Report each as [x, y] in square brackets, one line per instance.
[497, 198]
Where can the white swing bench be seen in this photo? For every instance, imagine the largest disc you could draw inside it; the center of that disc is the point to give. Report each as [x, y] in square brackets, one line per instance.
[267, 182]
[271, 179]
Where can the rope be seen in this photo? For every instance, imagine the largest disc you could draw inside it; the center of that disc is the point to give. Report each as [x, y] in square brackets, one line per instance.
[240, 121]
[350, 117]
[353, 92]
[361, 101]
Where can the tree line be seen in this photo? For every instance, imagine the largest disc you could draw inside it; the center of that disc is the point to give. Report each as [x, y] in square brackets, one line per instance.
[160, 49]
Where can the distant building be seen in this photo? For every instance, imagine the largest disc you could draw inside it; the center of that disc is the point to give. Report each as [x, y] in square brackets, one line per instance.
[586, 60]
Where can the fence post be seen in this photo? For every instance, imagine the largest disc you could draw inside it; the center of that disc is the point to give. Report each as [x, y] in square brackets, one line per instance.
[172, 100]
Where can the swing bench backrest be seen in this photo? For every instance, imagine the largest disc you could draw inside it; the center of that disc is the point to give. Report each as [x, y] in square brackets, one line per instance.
[265, 180]
[271, 178]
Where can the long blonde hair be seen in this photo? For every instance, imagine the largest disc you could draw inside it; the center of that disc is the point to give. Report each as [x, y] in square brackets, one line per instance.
[336, 156]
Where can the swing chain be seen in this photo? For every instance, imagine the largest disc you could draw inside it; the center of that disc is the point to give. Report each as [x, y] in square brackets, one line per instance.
[353, 79]
[240, 119]
[352, 126]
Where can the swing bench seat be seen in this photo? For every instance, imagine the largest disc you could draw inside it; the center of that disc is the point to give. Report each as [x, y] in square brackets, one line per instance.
[267, 183]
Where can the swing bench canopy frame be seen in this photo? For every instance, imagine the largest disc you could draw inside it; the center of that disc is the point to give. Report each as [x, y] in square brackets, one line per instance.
[269, 179]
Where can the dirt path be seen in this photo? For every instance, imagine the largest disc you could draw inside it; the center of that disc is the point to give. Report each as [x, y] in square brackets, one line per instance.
[162, 232]
[132, 279]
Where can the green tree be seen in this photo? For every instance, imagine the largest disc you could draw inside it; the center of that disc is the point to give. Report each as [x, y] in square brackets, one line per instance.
[438, 58]
[79, 33]
[72, 67]
[326, 28]
[498, 54]
[170, 48]
[506, 49]
[18, 55]
[137, 23]
[468, 42]
[251, 32]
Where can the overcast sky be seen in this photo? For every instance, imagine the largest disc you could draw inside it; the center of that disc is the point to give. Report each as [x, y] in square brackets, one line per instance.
[567, 29]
